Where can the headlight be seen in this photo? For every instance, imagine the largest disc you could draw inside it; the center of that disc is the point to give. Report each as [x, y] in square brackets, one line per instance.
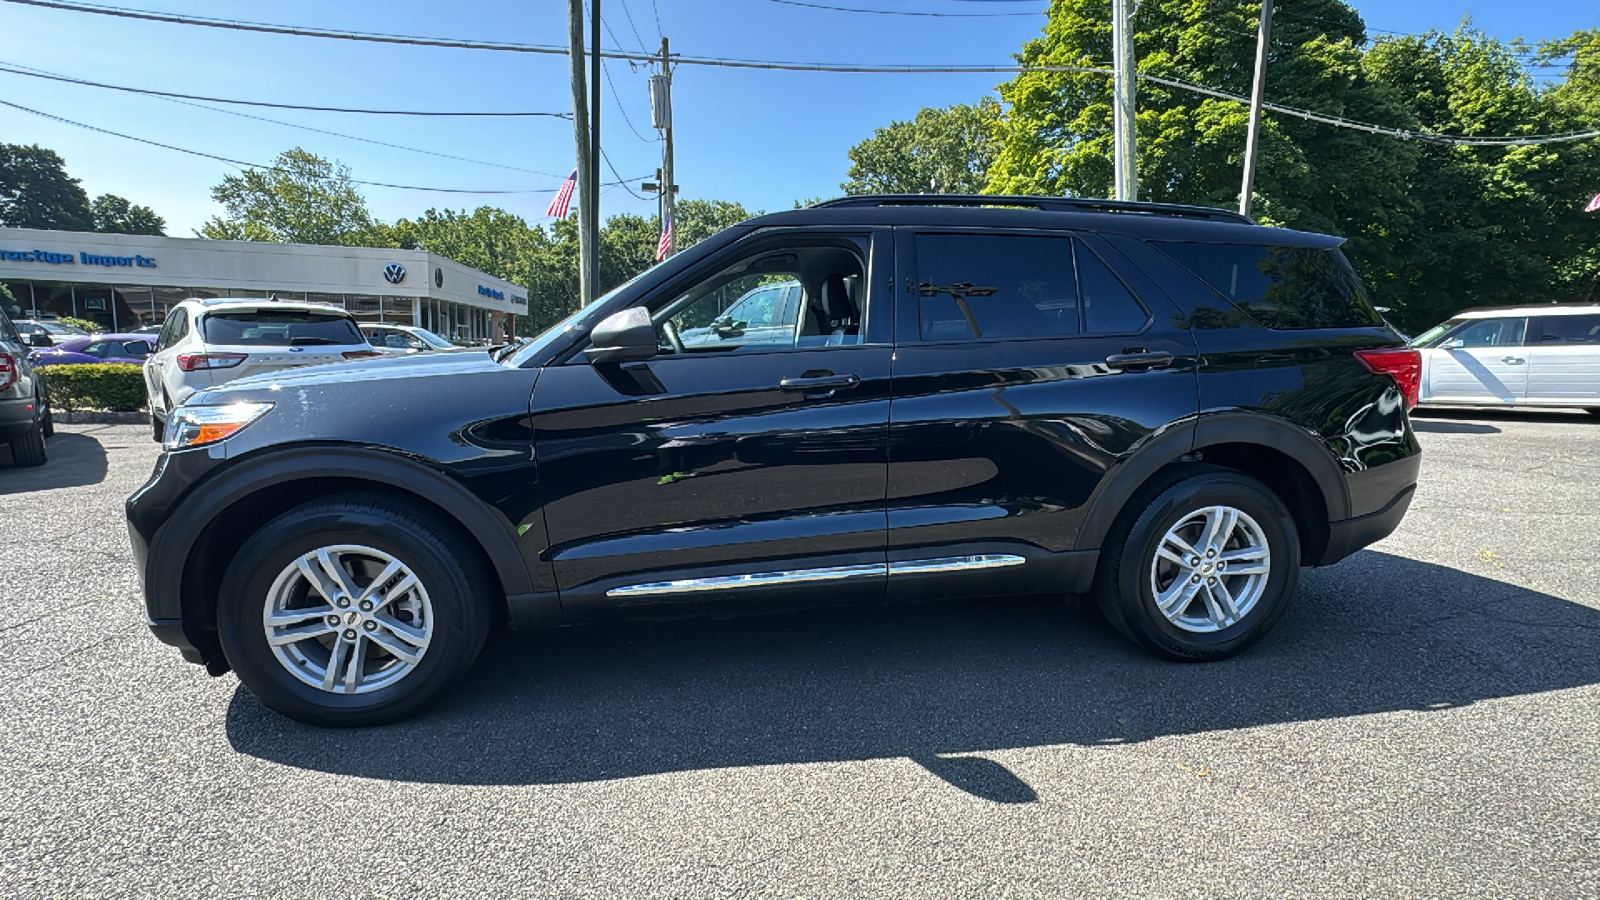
[191, 426]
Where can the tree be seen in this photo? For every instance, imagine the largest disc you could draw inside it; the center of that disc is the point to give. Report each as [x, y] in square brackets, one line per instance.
[302, 199]
[488, 238]
[115, 215]
[940, 151]
[37, 192]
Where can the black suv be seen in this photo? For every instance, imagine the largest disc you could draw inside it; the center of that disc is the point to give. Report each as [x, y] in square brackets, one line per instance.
[25, 419]
[1170, 408]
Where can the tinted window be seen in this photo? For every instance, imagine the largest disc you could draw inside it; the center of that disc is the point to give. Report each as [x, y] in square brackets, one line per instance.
[1280, 287]
[1570, 330]
[8, 332]
[1490, 333]
[1108, 306]
[279, 328]
[993, 286]
[135, 349]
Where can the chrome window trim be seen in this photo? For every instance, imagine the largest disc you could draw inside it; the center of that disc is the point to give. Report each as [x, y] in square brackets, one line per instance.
[823, 574]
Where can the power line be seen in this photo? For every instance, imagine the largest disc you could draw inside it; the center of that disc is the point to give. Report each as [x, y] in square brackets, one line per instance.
[892, 12]
[28, 70]
[605, 70]
[13, 69]
[251, 165]
[631, 25]
[620, 180]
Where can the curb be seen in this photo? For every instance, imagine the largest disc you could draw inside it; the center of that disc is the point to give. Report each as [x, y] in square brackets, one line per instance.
[99, 417]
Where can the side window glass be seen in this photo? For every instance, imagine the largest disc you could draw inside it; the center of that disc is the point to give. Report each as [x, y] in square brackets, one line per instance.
[8, 331]
[136, 349]
[1493, 333]
[990, 286]
[1280, 287]
[1108, 306]
[1562, 330]
[779, 299]
[95, 348]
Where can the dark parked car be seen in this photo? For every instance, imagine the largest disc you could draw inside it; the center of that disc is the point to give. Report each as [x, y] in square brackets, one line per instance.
[25, 419]
[99, 348]
[1169, 408]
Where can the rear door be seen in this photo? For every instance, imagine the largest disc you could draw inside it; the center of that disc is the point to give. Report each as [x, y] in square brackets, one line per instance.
[1025, 368]
[157, 363]
[1483, 361]
[271, 339]
[1564, 360]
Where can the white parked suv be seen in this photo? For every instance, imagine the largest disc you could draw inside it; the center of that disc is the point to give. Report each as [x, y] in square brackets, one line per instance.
[1542, 355]
[205, 343]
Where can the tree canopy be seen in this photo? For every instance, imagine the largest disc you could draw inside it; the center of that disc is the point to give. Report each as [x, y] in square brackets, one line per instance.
[115, 215]
[940, 151]
[302, 199]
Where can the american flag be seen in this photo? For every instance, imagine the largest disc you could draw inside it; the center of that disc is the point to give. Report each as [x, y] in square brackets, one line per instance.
[558, 206]
[665, 244]
[1594, 204]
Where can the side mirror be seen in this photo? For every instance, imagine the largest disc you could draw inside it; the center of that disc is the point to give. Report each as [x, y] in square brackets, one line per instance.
[40, 339]
[626, 336]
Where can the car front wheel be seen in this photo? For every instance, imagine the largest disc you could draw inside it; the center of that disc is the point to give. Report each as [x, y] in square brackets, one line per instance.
[1200, 565]
[351, 611]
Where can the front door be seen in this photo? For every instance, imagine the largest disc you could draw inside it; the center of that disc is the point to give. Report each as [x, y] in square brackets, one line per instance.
[729, 469]
[1483, 362]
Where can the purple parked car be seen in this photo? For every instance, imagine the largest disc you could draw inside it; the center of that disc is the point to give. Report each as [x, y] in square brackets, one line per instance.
[95, 348]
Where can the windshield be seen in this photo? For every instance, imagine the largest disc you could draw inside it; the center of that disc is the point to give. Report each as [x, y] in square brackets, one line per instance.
[433, 339]
[1427, 337]
[575, 322]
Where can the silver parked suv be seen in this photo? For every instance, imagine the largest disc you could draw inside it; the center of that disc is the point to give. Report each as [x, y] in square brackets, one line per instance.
[206, 343]
[24, 403]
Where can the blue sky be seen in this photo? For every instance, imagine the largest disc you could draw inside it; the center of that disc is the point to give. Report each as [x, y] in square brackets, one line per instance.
[763, 138]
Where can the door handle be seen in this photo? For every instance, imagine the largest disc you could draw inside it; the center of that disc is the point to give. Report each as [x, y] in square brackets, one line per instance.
[1513, 360]
[1143, 359]
[821, 384]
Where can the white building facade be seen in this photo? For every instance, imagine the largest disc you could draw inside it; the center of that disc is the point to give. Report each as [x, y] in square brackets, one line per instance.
[125, 281]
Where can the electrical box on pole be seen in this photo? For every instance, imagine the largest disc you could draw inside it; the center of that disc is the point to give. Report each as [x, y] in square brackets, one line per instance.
[660, 101]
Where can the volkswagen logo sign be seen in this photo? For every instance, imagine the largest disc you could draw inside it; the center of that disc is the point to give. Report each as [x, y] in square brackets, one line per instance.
[438, 277]
[394, 273]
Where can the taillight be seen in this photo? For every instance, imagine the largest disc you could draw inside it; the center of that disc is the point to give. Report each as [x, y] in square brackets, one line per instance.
[1403, 364]
[192, 361]
[361, 354]
[8, 370]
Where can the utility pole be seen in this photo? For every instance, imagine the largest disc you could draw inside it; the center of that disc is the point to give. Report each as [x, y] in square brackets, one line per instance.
[592, 212]
[1125, 185]
[661, 111]
[1252, 141]
[580, 134]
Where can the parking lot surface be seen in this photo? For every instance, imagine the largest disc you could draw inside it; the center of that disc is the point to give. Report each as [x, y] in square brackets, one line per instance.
[1424, 721]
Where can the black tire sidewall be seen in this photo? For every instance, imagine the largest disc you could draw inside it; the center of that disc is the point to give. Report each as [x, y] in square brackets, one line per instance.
[1137, 600]
[460, 622]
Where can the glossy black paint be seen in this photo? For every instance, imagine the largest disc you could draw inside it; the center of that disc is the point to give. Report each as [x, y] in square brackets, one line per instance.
[577, 478]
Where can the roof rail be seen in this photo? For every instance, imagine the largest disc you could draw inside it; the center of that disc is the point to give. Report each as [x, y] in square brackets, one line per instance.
[1048, 204]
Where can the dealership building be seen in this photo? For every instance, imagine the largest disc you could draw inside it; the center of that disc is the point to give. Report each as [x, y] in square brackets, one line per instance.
[125, 281]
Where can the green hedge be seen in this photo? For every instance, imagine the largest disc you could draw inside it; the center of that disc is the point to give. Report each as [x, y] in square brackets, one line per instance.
[114, 386]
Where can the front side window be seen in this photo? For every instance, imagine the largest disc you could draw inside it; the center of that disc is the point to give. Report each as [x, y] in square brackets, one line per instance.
[1491, 333]
[1570, 330]
[777, 299]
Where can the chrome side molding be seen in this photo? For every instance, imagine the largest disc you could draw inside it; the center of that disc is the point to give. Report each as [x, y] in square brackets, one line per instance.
[824, 574]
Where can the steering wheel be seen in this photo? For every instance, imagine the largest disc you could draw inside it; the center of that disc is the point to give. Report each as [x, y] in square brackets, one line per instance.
[671, 340]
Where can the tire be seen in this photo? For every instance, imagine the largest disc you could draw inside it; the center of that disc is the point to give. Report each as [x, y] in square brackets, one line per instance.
[361, 534]
[1132, 577]
[28, 450]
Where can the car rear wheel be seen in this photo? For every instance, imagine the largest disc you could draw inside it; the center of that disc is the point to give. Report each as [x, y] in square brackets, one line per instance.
[28, 449]
[351, 611]
[1200, 565]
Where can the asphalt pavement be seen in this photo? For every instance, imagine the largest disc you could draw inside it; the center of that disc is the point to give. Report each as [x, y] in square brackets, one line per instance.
[1425, 721]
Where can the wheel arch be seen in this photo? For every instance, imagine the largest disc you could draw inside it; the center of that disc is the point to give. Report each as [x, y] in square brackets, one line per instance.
[1293, 462]
[231, 506]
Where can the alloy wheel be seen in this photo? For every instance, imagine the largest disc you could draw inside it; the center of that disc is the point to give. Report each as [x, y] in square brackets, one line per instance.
[1210, 569]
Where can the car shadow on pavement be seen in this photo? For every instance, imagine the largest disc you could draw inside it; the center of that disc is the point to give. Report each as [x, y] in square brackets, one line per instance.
[939, 683]
[1547, 416]
[1432, 426]
[76, 459]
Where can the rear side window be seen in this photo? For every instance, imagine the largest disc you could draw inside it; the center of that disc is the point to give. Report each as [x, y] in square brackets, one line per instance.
[1569, 330]
[279, 328]
[1108, 306]
[1280, 287]
[994, 286]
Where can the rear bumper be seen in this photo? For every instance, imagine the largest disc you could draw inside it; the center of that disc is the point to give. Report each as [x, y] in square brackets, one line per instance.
[1350, 535]
[16, 417]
